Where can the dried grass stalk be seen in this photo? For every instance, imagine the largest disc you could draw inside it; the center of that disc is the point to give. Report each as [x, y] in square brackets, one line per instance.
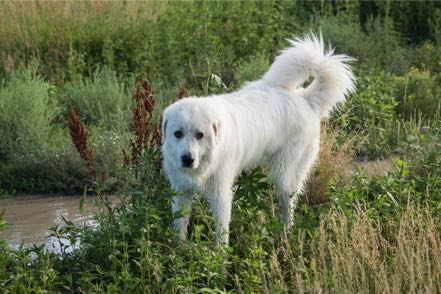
[332, 164]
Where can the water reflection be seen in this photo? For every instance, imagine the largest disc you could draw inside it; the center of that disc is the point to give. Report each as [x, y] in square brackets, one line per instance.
[30, 217]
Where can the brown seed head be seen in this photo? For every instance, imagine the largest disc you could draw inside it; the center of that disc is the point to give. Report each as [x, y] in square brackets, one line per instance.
[182, 90]
[78, 132]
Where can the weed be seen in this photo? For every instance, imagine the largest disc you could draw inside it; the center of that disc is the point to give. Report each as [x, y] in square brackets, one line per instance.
[78, 132]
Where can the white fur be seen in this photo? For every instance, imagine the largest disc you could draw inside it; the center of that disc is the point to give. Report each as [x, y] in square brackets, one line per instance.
[272, 122]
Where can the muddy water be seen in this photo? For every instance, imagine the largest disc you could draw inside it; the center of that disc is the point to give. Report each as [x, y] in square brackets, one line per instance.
[29, 218]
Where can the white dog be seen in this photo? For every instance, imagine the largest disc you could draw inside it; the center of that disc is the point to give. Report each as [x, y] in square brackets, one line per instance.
[272, 122]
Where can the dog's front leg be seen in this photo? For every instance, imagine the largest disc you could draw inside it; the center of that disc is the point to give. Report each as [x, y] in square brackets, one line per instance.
[181, 208]
[221, 201]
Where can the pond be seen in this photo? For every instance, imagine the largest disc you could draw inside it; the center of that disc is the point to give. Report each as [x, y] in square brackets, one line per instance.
[29, 218]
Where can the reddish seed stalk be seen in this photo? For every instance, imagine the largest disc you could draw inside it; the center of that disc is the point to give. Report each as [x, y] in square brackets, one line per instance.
[182, 90]
[146, 134]
[78, 132]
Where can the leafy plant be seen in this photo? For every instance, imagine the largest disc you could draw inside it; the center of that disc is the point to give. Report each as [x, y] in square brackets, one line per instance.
[370, 113]
[102, 100]
[417, 92]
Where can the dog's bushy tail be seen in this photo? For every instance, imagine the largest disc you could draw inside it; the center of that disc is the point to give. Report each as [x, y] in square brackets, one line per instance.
[333, 77]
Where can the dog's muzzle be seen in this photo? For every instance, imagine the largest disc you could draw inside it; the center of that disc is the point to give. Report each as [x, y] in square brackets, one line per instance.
[187, 160]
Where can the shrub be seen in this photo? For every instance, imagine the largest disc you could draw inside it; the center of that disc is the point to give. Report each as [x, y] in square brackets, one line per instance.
[379, 46]
[370, 114]
[57, 169]
[251, 69]
[418, 92]
[101, 100]
[26, 111]
[427, 58]
[34, 154]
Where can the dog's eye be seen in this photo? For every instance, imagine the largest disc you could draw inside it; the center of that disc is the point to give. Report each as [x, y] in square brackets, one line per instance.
[178, 134]
[199, 135]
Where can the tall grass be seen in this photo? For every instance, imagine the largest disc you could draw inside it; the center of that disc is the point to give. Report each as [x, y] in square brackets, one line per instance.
[27, 107]
[335, 163]
[51, 30]
[364, 255]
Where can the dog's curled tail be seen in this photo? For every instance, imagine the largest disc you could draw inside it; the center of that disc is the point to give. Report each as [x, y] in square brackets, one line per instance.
[333, 77]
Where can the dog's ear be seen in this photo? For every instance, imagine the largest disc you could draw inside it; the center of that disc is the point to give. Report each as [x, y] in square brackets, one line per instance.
[164, 131]
[216, 130]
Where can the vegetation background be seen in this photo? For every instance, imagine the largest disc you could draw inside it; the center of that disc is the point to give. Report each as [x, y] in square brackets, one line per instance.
[355, 231]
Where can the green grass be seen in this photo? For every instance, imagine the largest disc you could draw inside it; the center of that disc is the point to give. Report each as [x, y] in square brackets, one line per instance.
[352, 233]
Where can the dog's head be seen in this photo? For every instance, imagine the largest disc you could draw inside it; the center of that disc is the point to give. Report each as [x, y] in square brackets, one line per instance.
[190, 132]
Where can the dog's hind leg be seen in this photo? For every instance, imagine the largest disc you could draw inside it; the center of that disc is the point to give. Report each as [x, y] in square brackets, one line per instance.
[290, 170]
[181, 207]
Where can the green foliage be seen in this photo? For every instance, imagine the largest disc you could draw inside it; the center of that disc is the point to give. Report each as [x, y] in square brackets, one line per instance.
[101, 100]
[33, 153]
[379, 45]
[56, 169]
[370, 113]
[427, 57]
[418, 92]
[107, 147]
[27, 107]
[251, 69]
[415, 19]
[211, 37]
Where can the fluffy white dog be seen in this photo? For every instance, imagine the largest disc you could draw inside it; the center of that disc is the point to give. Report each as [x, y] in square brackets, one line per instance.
[272, 122]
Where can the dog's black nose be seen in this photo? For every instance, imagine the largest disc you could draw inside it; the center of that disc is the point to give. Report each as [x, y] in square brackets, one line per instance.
[187, 160]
